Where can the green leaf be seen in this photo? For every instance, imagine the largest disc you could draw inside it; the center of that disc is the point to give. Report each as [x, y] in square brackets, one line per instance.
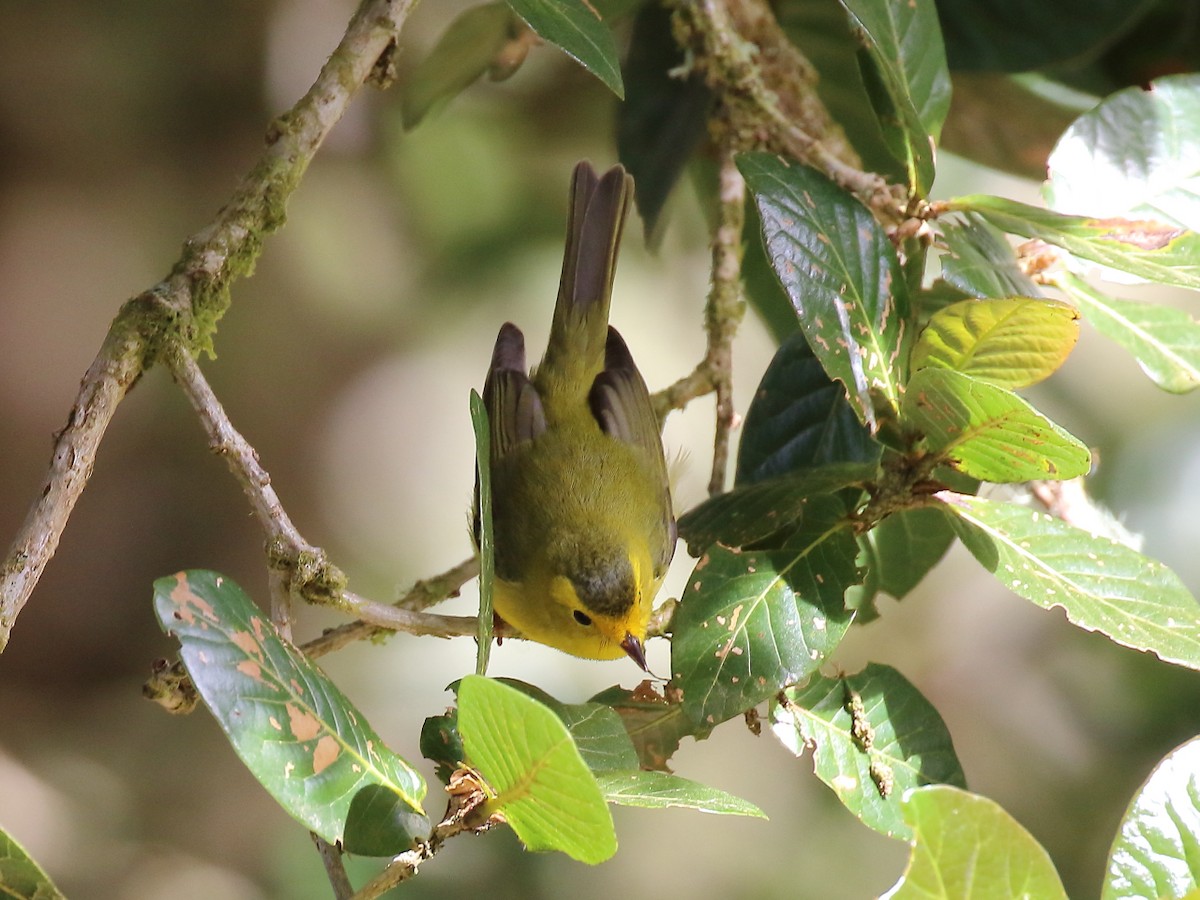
[1102, 585]
[898, 732]
[980, 262]
[291, 726]
[1136, 155]
[465, 51]
[1165, 341]
[1167, 254]
[799, 419]
[904, 43]
[20, 876]
[750, 514]
[1020, 35]
[380, 823]
[543, 787]
[987, 432]
[653, 724]
[442, 744]
[1157, 849]
[907, 544]
[1011, 343]
[663, 118]
[659, 790]
[485, 622]
[966, 846]
[753, 622]
[841, 272]
[576, 28]
[763, 290]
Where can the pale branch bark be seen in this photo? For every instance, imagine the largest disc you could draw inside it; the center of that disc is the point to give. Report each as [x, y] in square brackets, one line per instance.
[335, 870]
[188, 303]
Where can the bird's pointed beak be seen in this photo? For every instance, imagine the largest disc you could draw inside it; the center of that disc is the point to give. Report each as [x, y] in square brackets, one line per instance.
[633, 646]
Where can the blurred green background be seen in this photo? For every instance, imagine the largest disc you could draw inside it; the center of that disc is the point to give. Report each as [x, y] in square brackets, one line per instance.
[347, 361]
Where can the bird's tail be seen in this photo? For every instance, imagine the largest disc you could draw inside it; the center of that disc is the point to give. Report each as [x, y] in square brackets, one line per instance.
[579, 331]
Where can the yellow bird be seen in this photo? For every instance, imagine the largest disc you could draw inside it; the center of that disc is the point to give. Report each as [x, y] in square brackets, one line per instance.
[580, 500]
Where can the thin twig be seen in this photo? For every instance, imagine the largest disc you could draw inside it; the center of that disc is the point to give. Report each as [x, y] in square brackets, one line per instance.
[331, 858]
[188, 303]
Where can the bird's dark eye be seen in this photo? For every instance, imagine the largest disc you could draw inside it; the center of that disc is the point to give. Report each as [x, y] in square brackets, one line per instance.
[582, 618]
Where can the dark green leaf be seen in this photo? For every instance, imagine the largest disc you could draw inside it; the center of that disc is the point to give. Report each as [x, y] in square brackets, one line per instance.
[841, 272]
[659, 790]
[753, 622]
[20, 877]
[967, 846]
[654, 725]
[575, 27]
[379, 823]
[464, 52]
[1102, 585]
[906, 546]
[1020, 35]
[485, 534]
[1165, 341]
[1166, 254]
[1157, 850]
[544, 788]
[1011, 343]
[897, 728]
[799, 419]
[442, 744]
[747, 515]
[987, 432]
[1136, 155]
[663, 117]
[762, 287]
[980, 262]
[291, 726]
[904, 44]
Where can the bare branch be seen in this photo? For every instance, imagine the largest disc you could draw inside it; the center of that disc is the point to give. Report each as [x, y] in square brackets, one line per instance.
[331, 858]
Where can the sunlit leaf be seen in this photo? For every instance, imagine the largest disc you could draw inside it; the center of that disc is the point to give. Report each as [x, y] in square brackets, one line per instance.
[1011, 343]
[967, 848]
[841, 272]
[1165, 341]
[904, 42]
[752, 622]
[892, 729]
[1155, 251]
[542, 785]
[659, 790]
[291, 726]
[484, 534]
[1135, 155]
[799, 419]
[1157, 849]
[748, 515]
[980, 262]
[576, 28]
[21, 878]
[987, 432]
[1102, 585]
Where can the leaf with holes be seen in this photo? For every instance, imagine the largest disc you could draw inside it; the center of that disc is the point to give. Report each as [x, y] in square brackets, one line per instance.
[755, 621]
[1136, 154]
[1157, 849]
[799, 419]
[749, 515]
[905, 56]
[1012, 342]
[967, 846]
[987, 432]
[20, 876]
[659, 790]
[1154, 251]
[980, 262]
[873, 748]
[291, 726]
[1102, 585]
[542, 786]
[653, 724]
[576, 28]
[1165, 341]
[842, 275]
